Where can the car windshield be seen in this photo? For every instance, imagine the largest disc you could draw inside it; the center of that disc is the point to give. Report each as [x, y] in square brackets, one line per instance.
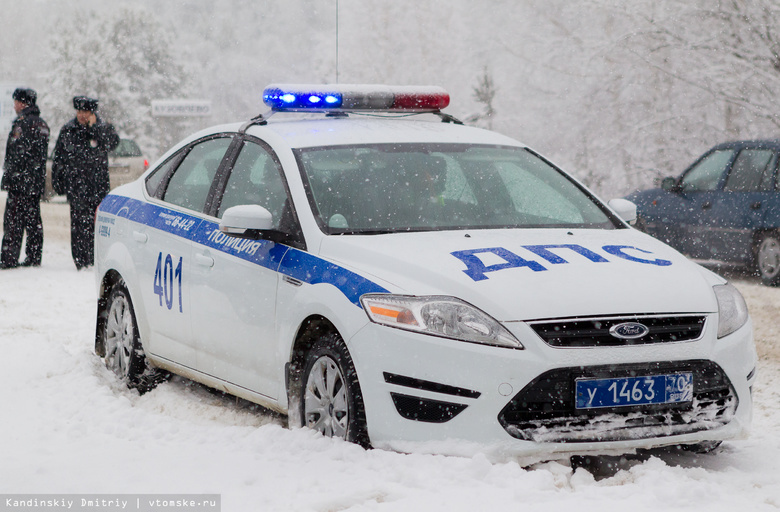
[385, 188]
[126, 148]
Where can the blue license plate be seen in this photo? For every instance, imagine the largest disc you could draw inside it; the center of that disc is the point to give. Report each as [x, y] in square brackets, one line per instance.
[628, 391]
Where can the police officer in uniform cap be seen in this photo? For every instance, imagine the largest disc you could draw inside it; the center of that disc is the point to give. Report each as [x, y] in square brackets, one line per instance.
[80, 170]
[24, 179]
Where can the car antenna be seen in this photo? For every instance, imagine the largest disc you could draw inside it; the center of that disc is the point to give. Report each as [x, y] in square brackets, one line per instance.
[446, 118]
[260, 120]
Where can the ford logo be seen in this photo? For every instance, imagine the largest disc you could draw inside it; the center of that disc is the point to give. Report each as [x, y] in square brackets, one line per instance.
[629, 330]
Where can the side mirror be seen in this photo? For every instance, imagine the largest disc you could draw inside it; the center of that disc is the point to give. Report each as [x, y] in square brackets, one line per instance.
[625, 209]
[670, 185]
[244, 219]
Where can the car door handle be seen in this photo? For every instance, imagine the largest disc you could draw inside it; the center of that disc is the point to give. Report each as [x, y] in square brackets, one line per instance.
[206, 261]
[707, 205]
[756, 205]
[140, 237]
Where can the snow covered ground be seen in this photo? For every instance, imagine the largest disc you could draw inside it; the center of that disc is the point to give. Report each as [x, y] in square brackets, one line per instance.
[68, 427]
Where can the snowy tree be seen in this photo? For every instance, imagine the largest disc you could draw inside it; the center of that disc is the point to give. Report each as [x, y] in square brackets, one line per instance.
[676, 78]
[240, 46]
[729, 49]
[618, 93]
[125, 59]
[485, 94]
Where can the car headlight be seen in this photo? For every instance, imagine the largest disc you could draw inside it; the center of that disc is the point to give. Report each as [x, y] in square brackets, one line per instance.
[732, 309]
[447, 317]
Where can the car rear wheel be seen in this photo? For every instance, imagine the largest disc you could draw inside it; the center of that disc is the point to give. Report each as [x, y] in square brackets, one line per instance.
[768, 259]
[120, 346]
[332, 403]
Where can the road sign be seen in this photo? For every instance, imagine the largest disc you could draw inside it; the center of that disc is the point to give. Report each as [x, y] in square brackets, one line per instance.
[181, 108]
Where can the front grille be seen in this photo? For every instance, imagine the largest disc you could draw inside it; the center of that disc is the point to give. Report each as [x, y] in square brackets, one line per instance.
[595, 332]
[544, 411]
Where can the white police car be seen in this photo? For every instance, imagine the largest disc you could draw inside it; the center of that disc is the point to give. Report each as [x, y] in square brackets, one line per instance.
[413, 284]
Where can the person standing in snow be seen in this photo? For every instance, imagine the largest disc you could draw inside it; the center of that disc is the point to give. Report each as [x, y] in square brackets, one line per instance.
[80, 170]
[24, 179]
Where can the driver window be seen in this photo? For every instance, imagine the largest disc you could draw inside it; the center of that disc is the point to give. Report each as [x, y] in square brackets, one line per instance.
[255, 179]
[706, 175]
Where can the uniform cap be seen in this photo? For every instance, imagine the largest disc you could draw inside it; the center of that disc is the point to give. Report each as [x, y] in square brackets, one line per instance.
[26, 96]
[85, 103]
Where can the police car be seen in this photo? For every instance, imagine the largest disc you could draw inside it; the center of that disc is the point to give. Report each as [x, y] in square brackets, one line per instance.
[362, 262]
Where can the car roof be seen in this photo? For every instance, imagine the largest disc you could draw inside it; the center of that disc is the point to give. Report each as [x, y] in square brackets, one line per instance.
[356, 129]
[739, 144]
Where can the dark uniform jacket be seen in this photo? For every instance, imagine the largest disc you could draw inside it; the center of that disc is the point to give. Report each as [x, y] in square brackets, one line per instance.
[25, 154]
[80, 167]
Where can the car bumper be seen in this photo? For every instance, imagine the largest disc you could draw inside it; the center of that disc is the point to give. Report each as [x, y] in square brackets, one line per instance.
[434, 395]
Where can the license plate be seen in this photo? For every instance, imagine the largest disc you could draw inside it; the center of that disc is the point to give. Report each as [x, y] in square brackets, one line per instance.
[628, 391]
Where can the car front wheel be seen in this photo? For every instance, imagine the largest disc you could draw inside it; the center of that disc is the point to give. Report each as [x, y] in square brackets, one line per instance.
[768, 259]
[702, 448]
[120, 346]
[332, 403]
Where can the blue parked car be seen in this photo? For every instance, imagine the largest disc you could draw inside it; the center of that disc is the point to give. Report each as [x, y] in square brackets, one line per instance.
[725, 208]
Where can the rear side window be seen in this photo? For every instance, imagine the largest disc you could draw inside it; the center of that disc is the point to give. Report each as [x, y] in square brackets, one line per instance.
[753, 171]
[190, 184]
[155, 179]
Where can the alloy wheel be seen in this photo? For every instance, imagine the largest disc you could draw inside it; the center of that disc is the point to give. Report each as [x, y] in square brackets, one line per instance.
[120, 337]
[769, 258]
[326, 408]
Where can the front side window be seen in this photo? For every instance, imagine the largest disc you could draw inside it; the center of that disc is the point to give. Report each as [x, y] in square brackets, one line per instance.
[424, 187]
[753, 171]
[255, 179]
[189, 186]
[706, 174]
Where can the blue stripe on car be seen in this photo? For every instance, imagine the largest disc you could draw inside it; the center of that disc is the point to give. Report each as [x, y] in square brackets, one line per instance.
[291, 262]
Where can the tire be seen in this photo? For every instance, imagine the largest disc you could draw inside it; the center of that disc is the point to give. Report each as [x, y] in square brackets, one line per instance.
[768, 259]
[331, 401]
[120, 345]
[639, 224]
[703, 447]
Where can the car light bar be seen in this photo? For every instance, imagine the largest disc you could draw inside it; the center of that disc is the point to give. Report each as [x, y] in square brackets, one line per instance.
[346, 98]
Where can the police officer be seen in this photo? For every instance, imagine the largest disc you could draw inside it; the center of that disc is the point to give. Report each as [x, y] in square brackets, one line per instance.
[24, 178]
[80, 170]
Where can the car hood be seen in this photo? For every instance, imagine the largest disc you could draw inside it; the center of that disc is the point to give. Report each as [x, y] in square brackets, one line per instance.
[644, 196]
[526, 274]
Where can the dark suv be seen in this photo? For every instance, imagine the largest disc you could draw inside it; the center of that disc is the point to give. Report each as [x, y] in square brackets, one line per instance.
[723, 208]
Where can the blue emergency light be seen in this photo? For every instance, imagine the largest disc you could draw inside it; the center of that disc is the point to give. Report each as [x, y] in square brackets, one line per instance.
[351, 98]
